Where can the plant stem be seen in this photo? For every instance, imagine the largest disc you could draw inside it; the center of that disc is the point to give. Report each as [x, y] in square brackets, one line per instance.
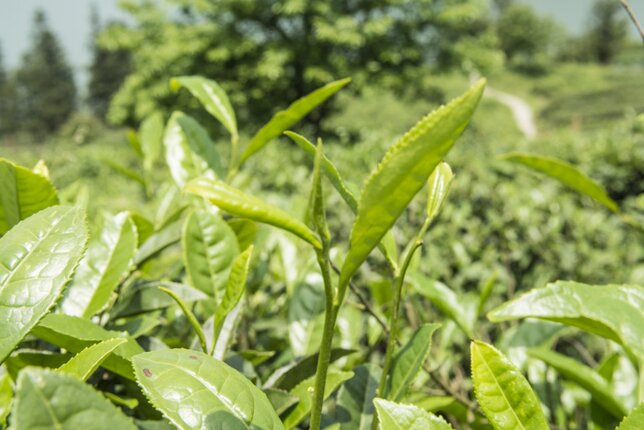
[633, 17]
[233, 166]
[324, 356]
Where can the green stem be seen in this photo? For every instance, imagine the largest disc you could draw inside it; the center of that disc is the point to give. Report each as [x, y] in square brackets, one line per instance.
[233, 165]
[324, 356]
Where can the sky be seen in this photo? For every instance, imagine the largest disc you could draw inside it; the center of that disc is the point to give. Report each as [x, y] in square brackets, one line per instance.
[69, 19]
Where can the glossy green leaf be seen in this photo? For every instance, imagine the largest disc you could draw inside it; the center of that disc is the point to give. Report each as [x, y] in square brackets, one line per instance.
[283, 120]
[403, 171]
[189, 316]
[235, 202]
[37, 259]
[394, 416]
[108, 258]
[634, 421]
[280, 399]
[151, 139]
[303, 392]
[85, 363]
[189, 151]
[408, 361]
[567, 174]
[194, 390]
[245, 230]
[75, 334]
[306, 316]
[209, 249]
[503, 392]
[583, 376]
[354, 407]
[610, 311]
[211, 96]
[438, 186]
[236, 285]
[52, 400]
[6, 395]
[22, 194]
[446, 300]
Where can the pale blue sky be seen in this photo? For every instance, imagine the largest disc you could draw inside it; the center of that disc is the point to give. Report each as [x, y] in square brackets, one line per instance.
[70, 21]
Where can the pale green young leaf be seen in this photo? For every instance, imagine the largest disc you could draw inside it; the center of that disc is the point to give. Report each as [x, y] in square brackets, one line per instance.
[146, 297]
[6, 395]
[189, 151]
[22, 194]
[295, 112]
[107, 260]
[236, 285]
[446, 300]
[610, 311]
[303, 392]
[85, 363]
[245, 230]
[209, 249]
[355, 408]
[194, 390]
[235, 202]
[634, 421]
[37, 258]
[211, 96]
[394, 416]
[402, 173]
[585, 377]
[75, 334]
[144, 227]
[438, 186]
[151, 139]
[189, 316]
[52, 400]
[408, 361]
[566, 173]
[504, 394]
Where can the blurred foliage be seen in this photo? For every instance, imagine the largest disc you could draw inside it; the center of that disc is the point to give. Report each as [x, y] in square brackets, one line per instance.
[271, 52]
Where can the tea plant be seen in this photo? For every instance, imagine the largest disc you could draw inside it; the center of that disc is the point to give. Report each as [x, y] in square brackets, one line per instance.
[202, 318]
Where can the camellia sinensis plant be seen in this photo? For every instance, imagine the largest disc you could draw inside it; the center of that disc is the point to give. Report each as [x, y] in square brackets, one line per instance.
[199, 318]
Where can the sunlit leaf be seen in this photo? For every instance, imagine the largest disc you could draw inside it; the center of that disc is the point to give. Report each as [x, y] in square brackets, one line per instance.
[394, 416]
[634, 421]
[83, 364]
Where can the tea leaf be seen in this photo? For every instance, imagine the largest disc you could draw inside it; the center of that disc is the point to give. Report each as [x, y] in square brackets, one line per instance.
[6, 395]
[306, 317]
[236, 285]
[565, 173]
[503, 392]
[108, 258]
[151, 140]
[85, 363]
[158, 241]
[22, 194]
[189, 316]
[610, 311]
[194, 390]
[211, 96]
[634, 421]
[394, 416]
[46, 399]
[437, 187]
[283, 120]
[446, 300]
[402, 173]
[37, 259]
[355, 408]
[235, 202]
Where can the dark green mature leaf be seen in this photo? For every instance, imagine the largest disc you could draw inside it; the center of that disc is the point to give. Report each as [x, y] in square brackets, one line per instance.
[211, 96]
[403, 171]
[235, 202]
[354, 408]
[37, 259]
[209, 249]
[408, 361]
[189, 151]
[21, 358]
[503, 392]
[280, 399]
[194, 390]
[109, 256]
[394, 416]
[75, 334]
[565, 173]
[22, 194]
[610, 311]
[303, 392]
[585, 377]
[83, 364]
[634, 421]
[52, 400]
[283, 120]
[306, 317]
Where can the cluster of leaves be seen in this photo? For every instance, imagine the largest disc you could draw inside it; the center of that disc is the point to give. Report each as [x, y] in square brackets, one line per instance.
[198, 336]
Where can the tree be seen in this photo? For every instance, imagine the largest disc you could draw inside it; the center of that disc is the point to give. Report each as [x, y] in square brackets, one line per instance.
[608, 30]
[107, 71]
[45, 82]
[8, 102]
[267, 53]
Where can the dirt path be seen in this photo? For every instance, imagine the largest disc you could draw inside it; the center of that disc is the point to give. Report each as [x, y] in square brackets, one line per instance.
[521, 111]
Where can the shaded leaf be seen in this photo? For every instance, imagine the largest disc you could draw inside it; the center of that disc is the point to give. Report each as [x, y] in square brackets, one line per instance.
[355, 408]
[143, 298]
[85, 363]
[446, 300]
[158, 241]
[306, 316]
[37, 259]
[189, 316]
